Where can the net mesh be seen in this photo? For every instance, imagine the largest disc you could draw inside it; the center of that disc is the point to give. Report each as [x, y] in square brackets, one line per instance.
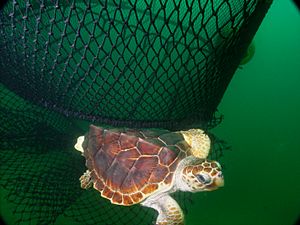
[132, 63]
[162, 64]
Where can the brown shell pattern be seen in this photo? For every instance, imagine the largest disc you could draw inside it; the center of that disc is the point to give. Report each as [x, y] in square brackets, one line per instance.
[129, 165]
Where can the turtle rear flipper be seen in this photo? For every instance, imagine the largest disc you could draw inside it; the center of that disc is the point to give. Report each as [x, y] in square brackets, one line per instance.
[85, 180]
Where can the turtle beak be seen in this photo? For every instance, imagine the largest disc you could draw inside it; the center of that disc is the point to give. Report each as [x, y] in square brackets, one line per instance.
[217, 182]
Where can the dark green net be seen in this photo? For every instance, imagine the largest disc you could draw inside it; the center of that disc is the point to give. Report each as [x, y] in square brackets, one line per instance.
[134, 63]
[156, 64]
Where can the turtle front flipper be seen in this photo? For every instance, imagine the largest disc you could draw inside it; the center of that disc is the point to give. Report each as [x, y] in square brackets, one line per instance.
[169, 212]
[199, 142]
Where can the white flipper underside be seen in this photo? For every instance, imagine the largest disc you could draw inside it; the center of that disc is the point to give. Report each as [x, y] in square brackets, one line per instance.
[169, 212]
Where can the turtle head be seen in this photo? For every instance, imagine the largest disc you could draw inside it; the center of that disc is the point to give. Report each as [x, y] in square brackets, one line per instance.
[203, 176]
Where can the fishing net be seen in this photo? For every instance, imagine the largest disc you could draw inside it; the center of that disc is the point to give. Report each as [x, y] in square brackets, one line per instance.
[155, 64]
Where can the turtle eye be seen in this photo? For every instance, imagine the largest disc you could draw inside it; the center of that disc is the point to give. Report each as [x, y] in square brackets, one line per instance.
[204, 178]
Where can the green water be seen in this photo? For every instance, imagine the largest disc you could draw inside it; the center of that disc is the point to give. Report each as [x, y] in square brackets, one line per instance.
[261, 108]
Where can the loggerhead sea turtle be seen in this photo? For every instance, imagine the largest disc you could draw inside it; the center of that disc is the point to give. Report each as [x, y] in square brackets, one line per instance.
[134, 166]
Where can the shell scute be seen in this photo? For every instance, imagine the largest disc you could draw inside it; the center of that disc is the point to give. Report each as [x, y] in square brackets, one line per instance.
[94, 141]
[127, 141]
[110, 137]
[107, 192]
[158, 173]
[104, 157]
[141, 174]
[111, 149]
[98, 184]
[150, 188]
[117, 198]
[137, 197]
[132, 133]
[101, 163]
[127, 200]
[127, 158]
[171, 138]
[153, 133]
[115, 175]
[167, 156]
[156, 142]
[146, 163]
[183, 146]
[147, 148]
[128, 186]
